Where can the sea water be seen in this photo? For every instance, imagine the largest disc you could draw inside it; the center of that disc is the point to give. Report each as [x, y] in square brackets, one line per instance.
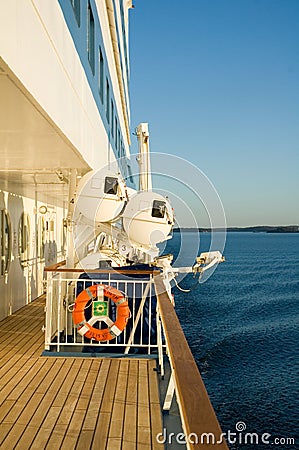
[242, 328]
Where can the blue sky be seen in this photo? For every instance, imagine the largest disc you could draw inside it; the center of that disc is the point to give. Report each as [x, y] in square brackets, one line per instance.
[218, 82]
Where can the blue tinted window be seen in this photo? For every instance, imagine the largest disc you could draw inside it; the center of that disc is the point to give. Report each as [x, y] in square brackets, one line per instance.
[90, 37]
[101, 75]
[107, 100]
[76, 8]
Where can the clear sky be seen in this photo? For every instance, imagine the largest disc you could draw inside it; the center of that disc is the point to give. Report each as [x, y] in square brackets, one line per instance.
[218, 82]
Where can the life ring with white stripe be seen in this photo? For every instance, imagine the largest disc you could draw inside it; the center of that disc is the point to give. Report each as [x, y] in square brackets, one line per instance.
[96, 293]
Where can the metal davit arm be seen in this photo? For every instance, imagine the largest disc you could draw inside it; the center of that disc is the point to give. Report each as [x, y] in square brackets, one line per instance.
[145, 176]
[199, 420]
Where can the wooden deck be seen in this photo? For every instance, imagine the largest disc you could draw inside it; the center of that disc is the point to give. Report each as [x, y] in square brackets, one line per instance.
[68, 403]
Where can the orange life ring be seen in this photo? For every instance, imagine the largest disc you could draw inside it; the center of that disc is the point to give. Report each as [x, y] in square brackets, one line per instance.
[114, 328]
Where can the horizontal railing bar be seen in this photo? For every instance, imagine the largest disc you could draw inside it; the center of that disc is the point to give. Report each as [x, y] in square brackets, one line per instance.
[57, 268]
[197, 413]
[95, 344]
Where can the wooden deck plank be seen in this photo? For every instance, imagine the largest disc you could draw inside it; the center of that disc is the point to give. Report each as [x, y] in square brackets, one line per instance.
[44, 433]
[5, 408]
[73, 430]
[67, 384]
[71, 403]
[12, 370]
[67, 411]
[14, 435]
[21, 334]
[114, 444]
[85, 440]
[21, 347]
[96, 397]
[14, 326]
[130, 417]
[27, 379]
[155, 407]
[8, 371]
[18, 428]
[48, 389]
[56, 437]
[88, 387]
[23, 321]
[110, 387]
[87, 373]
[117, 417]
[143, 410]
[47, 414]
[104, 418]
[20, 389]
[101, 432]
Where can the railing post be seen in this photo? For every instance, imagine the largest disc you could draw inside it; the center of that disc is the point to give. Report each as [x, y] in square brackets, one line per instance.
[160, 342]
[137, 318]
[48, 310]
[169, 394]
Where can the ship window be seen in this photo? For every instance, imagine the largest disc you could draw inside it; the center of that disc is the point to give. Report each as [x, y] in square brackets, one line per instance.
[112, 118]
[119, 144]
[76, 8]
[101, 75]
[24, 239]
[130, 174]
[111, 185]
[107, 100]
[118, 140]
[158, 209]
[90, 37]
[116, 125]
[5, 242]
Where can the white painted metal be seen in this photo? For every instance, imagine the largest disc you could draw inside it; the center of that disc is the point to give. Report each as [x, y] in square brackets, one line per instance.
[145, 176]
[137, 318]
[22, 280]
[66, 105]
[61, 295]
[169, 394]
[96, 201]
[141, 225]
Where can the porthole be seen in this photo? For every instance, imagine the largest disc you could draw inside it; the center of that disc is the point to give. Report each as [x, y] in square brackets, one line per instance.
[24, 239]
[5, 242]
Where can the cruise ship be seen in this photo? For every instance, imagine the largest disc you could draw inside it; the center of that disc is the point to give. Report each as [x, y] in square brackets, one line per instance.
[92, 352]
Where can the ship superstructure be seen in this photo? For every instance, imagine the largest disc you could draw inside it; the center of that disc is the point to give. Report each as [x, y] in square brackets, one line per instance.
[64, 73]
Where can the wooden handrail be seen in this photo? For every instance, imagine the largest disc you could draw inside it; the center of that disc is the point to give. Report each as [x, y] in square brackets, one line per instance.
[197, 413]
[55, 267]
[59, 268]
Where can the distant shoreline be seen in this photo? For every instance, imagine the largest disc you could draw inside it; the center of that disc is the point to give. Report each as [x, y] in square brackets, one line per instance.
[256, 229]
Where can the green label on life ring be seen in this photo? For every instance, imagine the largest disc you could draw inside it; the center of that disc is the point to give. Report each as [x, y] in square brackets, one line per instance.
[99, 309]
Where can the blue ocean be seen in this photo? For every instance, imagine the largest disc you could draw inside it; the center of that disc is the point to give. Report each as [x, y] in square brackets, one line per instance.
[242, 327]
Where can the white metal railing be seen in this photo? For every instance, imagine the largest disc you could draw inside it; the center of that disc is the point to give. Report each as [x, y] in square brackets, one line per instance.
[144, 327]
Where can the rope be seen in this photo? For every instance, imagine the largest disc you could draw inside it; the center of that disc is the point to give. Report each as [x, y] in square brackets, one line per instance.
[70, 307]
[192, 287]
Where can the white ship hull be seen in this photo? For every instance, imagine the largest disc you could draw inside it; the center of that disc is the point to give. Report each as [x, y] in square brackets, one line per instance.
[53, 120]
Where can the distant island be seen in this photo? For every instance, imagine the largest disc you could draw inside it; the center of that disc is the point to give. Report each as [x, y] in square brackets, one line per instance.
[256, 229]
